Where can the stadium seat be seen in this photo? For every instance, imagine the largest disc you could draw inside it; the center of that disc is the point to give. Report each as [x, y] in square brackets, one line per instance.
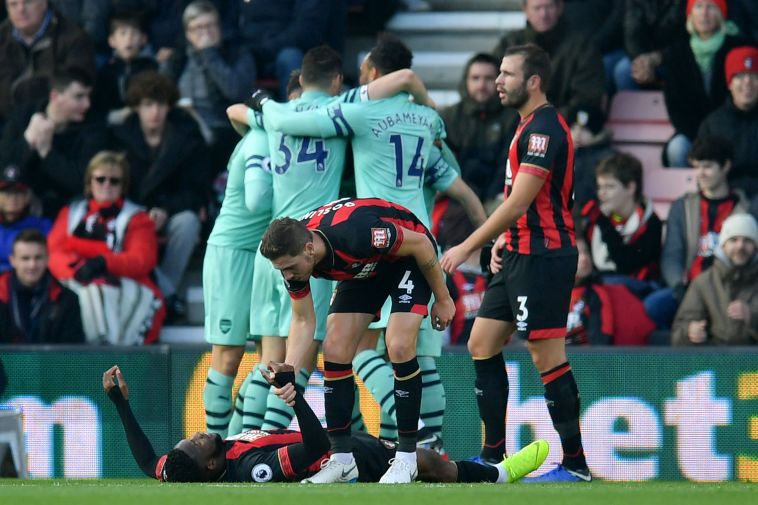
[639, 117]
[664, 185]
[648, 154]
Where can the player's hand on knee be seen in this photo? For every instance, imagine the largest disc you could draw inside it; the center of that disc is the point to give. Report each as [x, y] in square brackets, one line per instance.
[443, 312]
[279, 374]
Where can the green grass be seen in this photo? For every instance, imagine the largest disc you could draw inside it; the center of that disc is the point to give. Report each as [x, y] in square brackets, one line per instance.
[146, 492]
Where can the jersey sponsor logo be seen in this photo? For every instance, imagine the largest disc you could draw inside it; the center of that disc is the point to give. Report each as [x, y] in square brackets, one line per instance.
[380, 237]
[366, 271]
[225, 325]
[249, 436]
[537, 145]
[261, 473]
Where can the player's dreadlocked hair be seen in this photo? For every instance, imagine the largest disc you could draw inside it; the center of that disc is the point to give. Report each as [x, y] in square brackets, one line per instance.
[284, 237]
[180, 467]
[390, 54]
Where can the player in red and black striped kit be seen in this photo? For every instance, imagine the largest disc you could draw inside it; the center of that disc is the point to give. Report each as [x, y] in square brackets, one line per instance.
[287, 456]
[375, 249]
[535, 258]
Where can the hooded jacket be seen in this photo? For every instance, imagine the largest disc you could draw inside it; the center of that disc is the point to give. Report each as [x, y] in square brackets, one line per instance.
[577, 75]
[709, 296]
[64, 45]
[479, 134]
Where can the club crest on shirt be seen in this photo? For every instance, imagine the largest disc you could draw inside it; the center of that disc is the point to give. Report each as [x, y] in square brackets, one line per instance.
[537, 145]
[380, 237]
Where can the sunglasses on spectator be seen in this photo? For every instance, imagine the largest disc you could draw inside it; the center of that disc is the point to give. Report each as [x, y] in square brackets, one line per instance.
[115, 181]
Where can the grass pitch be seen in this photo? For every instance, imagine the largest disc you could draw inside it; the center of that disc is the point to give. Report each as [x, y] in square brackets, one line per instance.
[146, 492]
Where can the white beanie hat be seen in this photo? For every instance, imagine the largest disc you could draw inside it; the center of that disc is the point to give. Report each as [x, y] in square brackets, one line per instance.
[739, 225]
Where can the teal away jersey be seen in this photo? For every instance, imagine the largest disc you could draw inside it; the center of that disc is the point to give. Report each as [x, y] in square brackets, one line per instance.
[246, 210]
[306, 171]
[392, 143]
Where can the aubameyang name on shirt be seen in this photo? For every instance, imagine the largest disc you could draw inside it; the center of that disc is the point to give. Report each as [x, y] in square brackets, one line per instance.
[401, 118]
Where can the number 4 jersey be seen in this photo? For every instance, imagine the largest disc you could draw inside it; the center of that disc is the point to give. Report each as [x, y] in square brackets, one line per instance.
[361, 235]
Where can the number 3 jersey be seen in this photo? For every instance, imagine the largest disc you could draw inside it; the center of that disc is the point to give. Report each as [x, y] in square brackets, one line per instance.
[362, 237]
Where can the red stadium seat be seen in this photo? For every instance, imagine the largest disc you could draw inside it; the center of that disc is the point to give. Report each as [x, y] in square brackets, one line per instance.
[648, 154]
[639, 117]
[664, 185]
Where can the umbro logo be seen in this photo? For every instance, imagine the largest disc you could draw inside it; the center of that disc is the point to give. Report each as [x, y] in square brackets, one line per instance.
[478, 392]
[402, 394]
[405, 298]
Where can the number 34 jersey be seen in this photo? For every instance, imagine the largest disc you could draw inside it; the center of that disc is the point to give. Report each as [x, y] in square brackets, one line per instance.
[306, 171]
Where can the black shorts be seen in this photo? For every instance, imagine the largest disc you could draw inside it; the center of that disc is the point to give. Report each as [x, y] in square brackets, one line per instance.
[402, 281]
[372, 456]
[534, 292]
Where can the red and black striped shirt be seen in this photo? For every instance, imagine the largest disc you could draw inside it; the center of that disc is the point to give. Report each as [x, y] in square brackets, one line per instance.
[713, 213]
[361, 235]
[542, 146]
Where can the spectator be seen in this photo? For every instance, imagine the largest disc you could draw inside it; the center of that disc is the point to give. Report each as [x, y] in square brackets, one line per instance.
[211, 75]
[604, 314]
[279, 34]
[592, 144]
[693, 226]
[35, 44]
[649, 27]
[90, 15]
[576, 65]
[737, 118]
[171, 173]
[479, 128]
[15, 198]
[694, 63]
[127, 39]
[34, 307]
[623, 232]
[104, 248]
[51, 143]
[721, 304]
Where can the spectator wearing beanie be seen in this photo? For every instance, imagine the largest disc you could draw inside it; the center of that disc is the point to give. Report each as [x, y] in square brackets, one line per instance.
[737, 118]
[694, 68]
[721, 304]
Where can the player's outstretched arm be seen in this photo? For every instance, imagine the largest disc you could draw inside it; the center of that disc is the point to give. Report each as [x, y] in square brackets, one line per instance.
[465, 196]
[139, 444]
[315, 439]
[397, 81]
[525, 189]
[423, 251]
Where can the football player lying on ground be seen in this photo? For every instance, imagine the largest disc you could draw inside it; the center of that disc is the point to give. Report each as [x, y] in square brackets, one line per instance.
[287, 456]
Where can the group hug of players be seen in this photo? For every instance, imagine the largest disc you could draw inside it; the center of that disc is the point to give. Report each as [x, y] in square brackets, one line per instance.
[283, 237]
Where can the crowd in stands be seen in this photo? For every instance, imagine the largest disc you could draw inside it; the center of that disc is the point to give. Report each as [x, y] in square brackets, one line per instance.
[114, 128]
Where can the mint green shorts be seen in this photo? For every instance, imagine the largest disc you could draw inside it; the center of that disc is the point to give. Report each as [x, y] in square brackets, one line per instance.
[227, 284]
[270, 308]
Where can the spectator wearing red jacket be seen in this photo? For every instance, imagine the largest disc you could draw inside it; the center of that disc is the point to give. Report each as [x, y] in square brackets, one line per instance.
[104, 248]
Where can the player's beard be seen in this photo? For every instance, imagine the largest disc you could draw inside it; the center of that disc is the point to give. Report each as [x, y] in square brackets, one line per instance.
[516, 98]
